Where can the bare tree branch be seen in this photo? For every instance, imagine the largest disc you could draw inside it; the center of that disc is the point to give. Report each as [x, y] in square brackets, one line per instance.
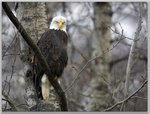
[9, 47]
[131, 56]
[89, 61]
[126, 99]
[12, 54]
[140, 97]
[113, 62]
[11, 103]
[77, 104]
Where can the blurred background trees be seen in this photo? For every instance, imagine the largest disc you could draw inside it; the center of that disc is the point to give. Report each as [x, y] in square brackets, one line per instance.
[100, 39]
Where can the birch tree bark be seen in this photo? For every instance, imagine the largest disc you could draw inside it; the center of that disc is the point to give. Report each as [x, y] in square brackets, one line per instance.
[100, 46]
[32, 16]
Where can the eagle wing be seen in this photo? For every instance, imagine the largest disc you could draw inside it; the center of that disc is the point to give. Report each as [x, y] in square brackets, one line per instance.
[53, 46]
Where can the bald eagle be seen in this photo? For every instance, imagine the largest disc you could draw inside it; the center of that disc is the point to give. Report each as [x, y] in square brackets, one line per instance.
[53, 45]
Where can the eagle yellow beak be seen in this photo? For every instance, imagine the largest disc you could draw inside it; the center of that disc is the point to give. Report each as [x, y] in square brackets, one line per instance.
[60, 24]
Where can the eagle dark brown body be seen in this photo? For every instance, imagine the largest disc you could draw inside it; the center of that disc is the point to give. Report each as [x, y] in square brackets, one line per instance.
[53, 45]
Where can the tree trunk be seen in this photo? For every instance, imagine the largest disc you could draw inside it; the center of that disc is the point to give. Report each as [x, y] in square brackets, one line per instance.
[33, 17]
[100, 45]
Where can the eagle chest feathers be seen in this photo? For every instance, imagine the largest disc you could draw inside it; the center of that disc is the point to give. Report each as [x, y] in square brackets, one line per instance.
[53, 46]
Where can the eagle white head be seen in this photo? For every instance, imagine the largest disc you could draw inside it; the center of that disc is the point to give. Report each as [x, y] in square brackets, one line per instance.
[59, 23]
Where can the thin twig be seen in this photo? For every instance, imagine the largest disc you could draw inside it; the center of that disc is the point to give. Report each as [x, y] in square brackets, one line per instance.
[89, 96]
[11, 54]
[139, 97]
[11, 75]
[11, 103]
[119, 33]
[88, 62]
[81, 53]
[126, 99]
[113, 62]
[72, 101]
[11, 43]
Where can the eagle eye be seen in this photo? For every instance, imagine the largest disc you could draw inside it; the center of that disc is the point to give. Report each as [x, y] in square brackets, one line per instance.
[63, 23]
[56, 21]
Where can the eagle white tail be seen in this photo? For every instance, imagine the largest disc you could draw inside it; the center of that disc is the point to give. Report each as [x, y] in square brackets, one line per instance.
[45, 84]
